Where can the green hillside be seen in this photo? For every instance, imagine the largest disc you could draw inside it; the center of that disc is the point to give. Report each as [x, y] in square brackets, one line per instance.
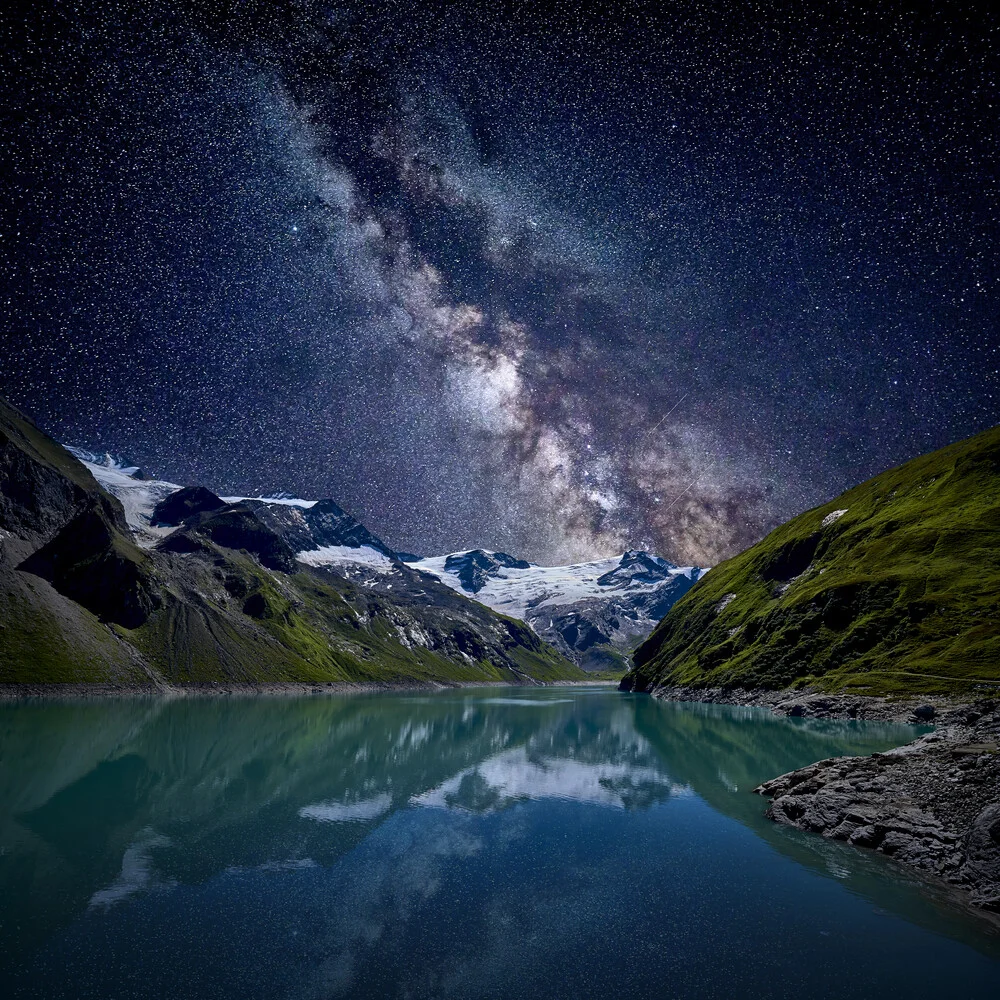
[892, 587]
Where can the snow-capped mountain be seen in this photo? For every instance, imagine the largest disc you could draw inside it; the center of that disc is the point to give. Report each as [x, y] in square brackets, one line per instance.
[594, 612]
[320, 532]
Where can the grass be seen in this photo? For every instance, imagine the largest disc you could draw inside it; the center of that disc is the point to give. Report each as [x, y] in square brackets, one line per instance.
[611, 676]
[304, 628]
[899, 594]
[44, 642]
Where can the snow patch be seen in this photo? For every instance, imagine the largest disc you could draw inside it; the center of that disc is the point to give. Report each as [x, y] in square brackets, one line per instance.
[286, 501]
[138, 497]
[833, 516]
[340, 555]
[515, 591]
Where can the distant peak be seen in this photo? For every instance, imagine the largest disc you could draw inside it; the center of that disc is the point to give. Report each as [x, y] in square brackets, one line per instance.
[475, 567]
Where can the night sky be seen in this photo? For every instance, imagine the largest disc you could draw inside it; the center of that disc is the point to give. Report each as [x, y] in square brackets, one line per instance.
[559, 283]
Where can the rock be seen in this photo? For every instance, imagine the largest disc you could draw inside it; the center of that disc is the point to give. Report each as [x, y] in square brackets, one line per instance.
[981, 847]
[42, 486]
[864, 836]
[811, 707]
[924, 713]
[933, 804]
[234, 527]
[185, 503]
[474, 568]
[95, 564]
[256, 606]
[324, 523]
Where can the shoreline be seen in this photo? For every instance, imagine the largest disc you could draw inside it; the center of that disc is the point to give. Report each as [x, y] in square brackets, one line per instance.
[932, 804]
[809, 703]
[10, 693]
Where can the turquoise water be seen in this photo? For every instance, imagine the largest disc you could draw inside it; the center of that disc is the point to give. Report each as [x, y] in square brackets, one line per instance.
[490, 843]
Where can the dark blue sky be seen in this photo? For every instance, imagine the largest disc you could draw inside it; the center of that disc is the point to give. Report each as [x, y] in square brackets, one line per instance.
[556, 284]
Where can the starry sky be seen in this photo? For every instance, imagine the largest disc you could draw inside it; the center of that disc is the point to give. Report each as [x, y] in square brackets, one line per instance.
[556, 282]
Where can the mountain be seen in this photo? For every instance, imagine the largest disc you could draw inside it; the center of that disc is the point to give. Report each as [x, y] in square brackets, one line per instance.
[107, 575]
[593, 612]
[892, 587]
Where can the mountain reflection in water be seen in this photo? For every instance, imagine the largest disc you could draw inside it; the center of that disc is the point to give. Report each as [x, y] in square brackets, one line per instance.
[461, 843]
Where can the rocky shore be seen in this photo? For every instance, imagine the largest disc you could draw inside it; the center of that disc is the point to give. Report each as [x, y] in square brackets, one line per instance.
[933, 804]
[810, 704]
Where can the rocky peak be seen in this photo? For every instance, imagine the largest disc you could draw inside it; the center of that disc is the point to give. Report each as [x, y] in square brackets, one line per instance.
[474, 568]
[234, 526]
[638, 567]
[186, 502]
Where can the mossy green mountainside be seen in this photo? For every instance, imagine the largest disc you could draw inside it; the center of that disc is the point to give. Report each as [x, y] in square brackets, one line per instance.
[219, 599]
[892, 588]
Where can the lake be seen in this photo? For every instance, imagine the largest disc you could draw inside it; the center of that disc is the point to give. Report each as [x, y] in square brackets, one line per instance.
[495, 842]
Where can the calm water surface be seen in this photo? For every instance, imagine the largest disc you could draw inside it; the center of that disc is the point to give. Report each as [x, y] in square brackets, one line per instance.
[495, 843]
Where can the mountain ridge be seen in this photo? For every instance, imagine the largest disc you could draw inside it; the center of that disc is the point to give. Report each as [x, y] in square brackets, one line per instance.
[593, 612]
[92, 590]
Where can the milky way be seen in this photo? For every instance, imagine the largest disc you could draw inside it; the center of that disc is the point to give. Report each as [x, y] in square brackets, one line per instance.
[558, 285]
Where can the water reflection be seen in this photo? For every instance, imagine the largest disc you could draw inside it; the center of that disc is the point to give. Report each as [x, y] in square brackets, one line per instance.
[519, 775]
[117, 807]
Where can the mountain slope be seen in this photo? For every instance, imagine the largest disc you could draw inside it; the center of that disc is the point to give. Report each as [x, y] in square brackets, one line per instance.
[92, 589]
[893, 586]
[594, 613]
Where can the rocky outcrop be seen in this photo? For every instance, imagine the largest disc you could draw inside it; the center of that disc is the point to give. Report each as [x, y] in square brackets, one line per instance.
[234, 527]
[185, 503]
[317, 525]
[933, 804]
[69, 531]
[91, 561]
[42, 486]
[474, 568]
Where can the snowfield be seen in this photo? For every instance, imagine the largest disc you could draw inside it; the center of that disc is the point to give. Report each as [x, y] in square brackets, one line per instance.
[515, 592]
[339, 555]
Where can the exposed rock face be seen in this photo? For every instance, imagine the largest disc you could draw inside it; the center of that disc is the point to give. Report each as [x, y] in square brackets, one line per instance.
[94, 563]
[637, 567]
[636, 594]
[475, 568]
[42, 487]
[312, 527]
[592, 612]
[933, 804]
[185, 503]
[74, 534]
[234, 527]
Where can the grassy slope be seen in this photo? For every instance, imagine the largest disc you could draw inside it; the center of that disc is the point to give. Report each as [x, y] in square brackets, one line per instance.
[40, 448]
[901, 593]
[308, 630]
